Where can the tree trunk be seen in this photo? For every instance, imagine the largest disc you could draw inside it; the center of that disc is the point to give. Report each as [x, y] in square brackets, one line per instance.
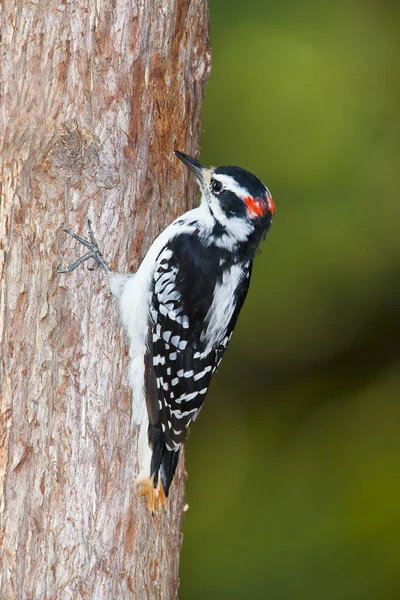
[95, 96]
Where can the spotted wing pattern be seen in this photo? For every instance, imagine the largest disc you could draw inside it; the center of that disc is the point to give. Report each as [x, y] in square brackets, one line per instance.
[183, 371]
[181, 361]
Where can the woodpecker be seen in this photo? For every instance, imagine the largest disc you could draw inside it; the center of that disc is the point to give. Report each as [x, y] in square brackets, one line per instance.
[180, 308]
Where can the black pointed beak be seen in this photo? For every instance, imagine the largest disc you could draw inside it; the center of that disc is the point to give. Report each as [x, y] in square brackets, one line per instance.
[191, 163]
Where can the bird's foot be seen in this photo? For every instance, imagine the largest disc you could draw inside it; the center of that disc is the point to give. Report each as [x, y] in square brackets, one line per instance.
[93, 252]
[156, 495]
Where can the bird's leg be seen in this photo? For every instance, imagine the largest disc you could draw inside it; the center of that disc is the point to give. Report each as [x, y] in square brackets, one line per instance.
[94, 252]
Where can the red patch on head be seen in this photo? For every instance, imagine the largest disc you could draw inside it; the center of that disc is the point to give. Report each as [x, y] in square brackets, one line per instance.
[257, 207]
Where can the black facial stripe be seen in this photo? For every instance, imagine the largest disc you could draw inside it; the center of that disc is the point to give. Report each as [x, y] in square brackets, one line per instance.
[231, 204]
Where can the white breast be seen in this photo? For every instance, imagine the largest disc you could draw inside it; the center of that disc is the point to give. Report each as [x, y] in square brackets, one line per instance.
[222, 308]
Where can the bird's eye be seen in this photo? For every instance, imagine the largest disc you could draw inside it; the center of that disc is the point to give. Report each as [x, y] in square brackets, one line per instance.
[216, 186]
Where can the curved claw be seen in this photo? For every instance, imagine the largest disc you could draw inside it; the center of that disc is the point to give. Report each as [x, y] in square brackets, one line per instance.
[94, 252]
[156, 497]
[75, 264]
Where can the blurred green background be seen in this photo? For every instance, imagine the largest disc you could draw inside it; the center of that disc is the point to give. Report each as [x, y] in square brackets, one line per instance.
[294, 463]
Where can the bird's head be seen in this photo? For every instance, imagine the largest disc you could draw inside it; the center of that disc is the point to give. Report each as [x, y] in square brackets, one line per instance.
[237, 200]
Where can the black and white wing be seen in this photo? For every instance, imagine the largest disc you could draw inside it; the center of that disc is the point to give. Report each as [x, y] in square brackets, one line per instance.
[182, 363]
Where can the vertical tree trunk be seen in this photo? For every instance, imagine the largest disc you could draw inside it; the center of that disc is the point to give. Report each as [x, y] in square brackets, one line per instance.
[95, 96]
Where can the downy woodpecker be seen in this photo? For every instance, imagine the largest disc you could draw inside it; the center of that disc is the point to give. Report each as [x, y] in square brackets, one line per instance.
[180, 308]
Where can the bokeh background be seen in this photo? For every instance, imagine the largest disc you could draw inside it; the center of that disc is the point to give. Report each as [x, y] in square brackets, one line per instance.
[294, 463]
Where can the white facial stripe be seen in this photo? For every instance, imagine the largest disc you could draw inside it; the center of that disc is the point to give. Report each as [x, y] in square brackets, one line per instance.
[238, 228]
[230, 184]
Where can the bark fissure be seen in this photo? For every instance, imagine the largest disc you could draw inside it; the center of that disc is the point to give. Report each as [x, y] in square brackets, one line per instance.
[95, 96]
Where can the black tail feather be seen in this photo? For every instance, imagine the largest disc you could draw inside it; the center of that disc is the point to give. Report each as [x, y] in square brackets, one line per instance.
[169, 462]
[157, 444]
[163, 461]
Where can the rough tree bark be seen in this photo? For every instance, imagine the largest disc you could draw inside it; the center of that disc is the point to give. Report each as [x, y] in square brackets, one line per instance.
[95, 95]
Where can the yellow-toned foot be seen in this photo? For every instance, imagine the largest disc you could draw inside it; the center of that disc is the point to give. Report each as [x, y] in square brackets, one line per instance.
[162, 498]
[156, 496]
[147, 489]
